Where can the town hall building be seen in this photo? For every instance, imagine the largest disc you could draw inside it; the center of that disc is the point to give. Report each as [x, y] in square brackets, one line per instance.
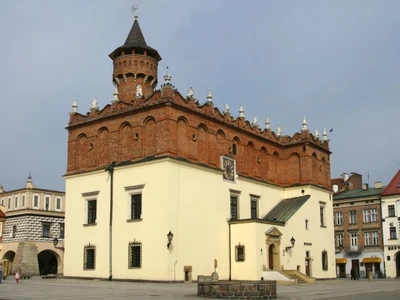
[162, 186]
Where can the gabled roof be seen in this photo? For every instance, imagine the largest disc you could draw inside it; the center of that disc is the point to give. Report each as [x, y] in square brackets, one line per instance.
[285, 209]
[393, 188]
[358, 193]
[136, 41]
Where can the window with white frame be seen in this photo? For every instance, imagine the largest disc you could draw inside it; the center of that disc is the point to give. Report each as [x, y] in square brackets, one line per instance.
[135, 201]
[91, 211]
[16, 202]
[254, 207]
[58, 203]
[23, 201]
[370, 215]
[36, 201]
[322, 208]
[338, 218]
[391, 212]
[339, 240]
[47, 202]
[353, 217]
[392, 233]
[367, 238]
[375, 238]
[354, 239]
[46, 230]
[9, 203]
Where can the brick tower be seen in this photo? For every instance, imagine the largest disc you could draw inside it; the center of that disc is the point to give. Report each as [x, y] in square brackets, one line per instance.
[135, 66]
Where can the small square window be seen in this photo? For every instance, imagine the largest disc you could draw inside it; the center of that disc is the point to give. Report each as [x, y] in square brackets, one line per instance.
[135, 255]
[89, 257]
[240, 252]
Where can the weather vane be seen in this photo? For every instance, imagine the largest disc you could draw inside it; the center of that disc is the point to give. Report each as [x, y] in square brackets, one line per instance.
[134, 9]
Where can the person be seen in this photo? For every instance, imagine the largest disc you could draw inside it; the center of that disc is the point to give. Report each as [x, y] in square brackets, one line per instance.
[357, 273]
[353, 274]
[1, 271]
[17, 276]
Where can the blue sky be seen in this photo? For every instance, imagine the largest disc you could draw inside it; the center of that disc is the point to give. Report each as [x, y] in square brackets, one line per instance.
[335, 62]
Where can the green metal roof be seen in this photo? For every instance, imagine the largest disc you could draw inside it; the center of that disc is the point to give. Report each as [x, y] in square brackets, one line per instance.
[285, 209]
[358, 193]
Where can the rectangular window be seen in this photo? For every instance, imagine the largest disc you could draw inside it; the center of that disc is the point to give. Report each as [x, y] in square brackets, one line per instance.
[338, 218]
[2, 201]
[89, 257]
[354, 239]
[367, 238]
[47, 202]
[393, 234]
[35, 201]
[322, 214]
[353, 217]
[391, 211]
[324, 260]
[135, 255]
[23, 201]
[240, 252]
[16, 202]
[253, 208]
[370, 215]
[375, 238]
[136, 207]
[338, 240]
[46, 230]
[58, 203]
[234, 207]
[9, 203]
[62, 230]
[92, 211]
[14, 231]
[306, 224]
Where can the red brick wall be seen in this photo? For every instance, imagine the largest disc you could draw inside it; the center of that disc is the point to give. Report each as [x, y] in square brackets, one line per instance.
[167, 124]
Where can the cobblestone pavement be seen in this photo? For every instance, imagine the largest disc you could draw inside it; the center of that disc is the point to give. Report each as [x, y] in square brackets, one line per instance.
[61, 289]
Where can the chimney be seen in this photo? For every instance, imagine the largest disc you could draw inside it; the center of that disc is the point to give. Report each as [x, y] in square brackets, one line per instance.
[365, 186]
[378, 184]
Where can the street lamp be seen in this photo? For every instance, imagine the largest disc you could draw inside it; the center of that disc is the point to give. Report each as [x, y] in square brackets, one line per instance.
[170, 236]
[292, 242]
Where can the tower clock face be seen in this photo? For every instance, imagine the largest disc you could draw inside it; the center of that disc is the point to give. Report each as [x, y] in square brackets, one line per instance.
[229, 169]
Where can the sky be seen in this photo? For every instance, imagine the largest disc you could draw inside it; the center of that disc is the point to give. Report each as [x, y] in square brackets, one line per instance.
[334, 62]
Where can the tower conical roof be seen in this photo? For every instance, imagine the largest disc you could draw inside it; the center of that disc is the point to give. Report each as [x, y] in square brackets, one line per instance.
[136, 41]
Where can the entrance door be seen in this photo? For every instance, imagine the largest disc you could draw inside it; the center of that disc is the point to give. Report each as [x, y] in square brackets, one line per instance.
[271, 256]
[398, 264]
[308, 267]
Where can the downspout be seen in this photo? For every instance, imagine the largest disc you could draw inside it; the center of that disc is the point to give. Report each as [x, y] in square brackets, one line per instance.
[230, 263]
[382, 239]
[110, 169]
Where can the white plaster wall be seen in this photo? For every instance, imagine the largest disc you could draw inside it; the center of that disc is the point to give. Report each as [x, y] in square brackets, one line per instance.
[194, 203]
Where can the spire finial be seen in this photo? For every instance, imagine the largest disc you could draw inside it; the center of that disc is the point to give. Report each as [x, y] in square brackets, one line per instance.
[304, 124]
[255, 122]
[325, 135]
[167, 77]
[241, 111]
[226, 108]
[134, 9]
[316, 134]
[95, 104]
[116, 93]
[74, 106]
[209, 96]
[190, 93]
[267, 123]
[279, 131]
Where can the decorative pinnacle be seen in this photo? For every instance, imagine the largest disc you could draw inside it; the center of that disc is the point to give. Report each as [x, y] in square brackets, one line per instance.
[279, 131]
[241, 111]
[304, 124]
[191, 93]
[267, 123]
[209, 96]
[167, 77]
[134, 9]
[116, 93]
[325, 135]
[74, 106]
[316, 133]
[226, 108]
[255, 123]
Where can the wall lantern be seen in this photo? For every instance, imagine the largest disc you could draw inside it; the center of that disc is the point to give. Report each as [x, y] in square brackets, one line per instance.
[170, 236]
[292, 242]
[55, 243]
